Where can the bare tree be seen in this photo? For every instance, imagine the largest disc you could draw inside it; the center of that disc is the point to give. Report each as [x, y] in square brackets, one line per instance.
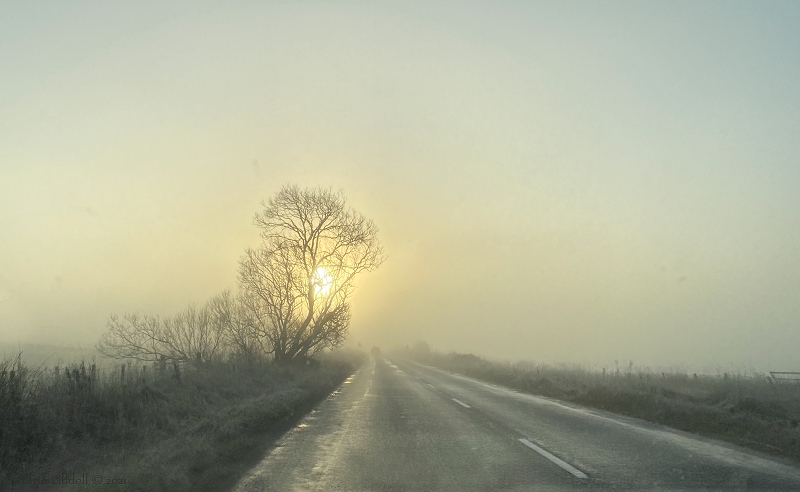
[295, 287]
[242, 338]
[195, 334]
[134, 336]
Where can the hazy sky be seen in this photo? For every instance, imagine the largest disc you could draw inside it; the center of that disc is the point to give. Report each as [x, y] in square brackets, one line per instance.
[556, 181]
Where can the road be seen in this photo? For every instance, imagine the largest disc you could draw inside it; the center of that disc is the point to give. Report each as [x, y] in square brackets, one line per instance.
[396, 425]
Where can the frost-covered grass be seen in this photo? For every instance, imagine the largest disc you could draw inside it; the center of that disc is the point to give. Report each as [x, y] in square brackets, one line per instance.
[752, 410]
[153, 428]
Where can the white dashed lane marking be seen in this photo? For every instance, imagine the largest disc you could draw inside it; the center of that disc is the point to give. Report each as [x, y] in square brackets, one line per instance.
[555, 459]
[461, 403]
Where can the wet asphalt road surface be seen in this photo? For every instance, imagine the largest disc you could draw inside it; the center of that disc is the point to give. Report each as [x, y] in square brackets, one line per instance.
[399, 426]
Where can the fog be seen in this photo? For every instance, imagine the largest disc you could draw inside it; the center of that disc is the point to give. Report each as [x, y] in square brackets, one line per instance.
[559, 182]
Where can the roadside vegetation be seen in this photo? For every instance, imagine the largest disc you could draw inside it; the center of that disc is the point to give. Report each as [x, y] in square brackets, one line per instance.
[197, 395]
[754, 410]
[175, 428]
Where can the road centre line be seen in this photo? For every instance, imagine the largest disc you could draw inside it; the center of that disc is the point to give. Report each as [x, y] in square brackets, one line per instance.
[555, 459]
[461, 403]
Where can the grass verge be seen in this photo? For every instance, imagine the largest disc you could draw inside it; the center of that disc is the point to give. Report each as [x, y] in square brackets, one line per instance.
[139, 429]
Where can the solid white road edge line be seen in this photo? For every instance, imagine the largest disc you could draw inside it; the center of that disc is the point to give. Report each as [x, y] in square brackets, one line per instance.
[555, 459]
[461, 403]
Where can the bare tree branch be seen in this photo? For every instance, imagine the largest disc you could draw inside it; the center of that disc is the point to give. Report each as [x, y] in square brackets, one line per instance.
[305, 232]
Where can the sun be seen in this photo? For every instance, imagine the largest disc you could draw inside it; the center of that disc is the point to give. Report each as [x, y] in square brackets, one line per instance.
[323, 281]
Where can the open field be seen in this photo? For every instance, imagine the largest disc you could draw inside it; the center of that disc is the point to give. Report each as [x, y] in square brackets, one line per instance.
[150, 428]
[755, 410]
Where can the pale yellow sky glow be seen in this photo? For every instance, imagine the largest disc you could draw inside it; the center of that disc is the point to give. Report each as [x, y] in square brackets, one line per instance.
[555, 181]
